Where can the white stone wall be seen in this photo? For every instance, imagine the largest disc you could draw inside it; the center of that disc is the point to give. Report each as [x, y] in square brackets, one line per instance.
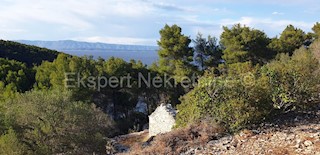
[161, 120]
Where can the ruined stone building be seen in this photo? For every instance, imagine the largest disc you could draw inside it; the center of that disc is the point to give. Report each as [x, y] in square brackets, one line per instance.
[162, 120]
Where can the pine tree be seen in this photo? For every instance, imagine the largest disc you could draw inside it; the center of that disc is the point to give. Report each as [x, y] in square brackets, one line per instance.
[243, 44]
[207, 52]
[316, 30]
[290, 39]
[175, 53]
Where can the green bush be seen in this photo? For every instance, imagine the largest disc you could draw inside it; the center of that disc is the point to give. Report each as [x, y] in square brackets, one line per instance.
[243, 94]
[234, 100]
[10, 144]
[293, 80]
[315, 48]
[50, 122]
[2, 121]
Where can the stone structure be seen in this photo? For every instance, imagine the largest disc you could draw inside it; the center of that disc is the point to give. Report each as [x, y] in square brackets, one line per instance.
[162, 120]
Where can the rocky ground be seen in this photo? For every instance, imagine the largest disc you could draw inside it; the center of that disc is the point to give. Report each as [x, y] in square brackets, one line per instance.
[289, 134]
[292, 134]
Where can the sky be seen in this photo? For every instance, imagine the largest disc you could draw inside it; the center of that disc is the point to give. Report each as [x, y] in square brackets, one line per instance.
[138, 21]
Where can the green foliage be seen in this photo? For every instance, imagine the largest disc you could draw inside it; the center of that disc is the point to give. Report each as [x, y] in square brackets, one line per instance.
[54, 74]
[293, 80]
[10, 144]
[51, 75]
[26, 53]
[234, 100]
[243, 44]
[316, 30]
[243, 94]
[116, 67]
[175, 55]
[234, 55]
[16, 73]
[56, 119]
[290, 39]
[3, 127]
[50, 122]
[207, 52]
[315, 49]
[14, 77]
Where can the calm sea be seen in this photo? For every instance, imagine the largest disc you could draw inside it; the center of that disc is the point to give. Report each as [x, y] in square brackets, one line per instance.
[147, 57]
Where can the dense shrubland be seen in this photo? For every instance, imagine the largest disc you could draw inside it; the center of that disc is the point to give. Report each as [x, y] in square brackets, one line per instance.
[247, 89]
[249, 94]
[233, 99]
[50, 122]
[243, 79]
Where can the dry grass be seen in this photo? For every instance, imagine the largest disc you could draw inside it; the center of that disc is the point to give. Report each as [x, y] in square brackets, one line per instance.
[282, 151]
[133, 138]
[180, 140]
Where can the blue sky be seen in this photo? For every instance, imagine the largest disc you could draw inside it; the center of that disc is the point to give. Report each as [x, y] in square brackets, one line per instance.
[139, 21]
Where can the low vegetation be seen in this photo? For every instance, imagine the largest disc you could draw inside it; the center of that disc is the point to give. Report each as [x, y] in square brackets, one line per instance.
[180, 140]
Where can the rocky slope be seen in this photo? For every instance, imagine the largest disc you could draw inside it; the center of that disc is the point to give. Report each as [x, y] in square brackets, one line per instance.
[291, 134]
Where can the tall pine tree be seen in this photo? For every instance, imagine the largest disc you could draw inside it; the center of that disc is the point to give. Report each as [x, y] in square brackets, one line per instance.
[243, 44]
[290, 39]
[207, 51]
[175, 53]
[316, 30]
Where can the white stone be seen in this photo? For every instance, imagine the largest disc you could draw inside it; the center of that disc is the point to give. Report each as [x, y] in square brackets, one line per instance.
[162, 120]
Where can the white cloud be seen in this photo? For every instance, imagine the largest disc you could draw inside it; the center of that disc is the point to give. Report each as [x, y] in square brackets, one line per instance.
[277, 2]
[75, 13]
[270, 25]
[277, 13]
[3, 30]
[71, 17]
[22, 13]
[135, 21]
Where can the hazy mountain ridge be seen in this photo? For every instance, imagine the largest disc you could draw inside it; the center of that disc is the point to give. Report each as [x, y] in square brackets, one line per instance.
[77, 45]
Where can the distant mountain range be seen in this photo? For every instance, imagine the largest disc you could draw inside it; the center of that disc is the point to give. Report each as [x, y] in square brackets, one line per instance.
[77, 45]
[147, 54]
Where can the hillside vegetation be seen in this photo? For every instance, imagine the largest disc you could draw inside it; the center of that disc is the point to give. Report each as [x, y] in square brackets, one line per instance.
[245, 79]
[30, 55]
[278, 102]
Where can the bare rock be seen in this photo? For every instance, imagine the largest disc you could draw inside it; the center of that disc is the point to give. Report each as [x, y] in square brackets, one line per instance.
[290, 137]
[308, 143]
[298, 143]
